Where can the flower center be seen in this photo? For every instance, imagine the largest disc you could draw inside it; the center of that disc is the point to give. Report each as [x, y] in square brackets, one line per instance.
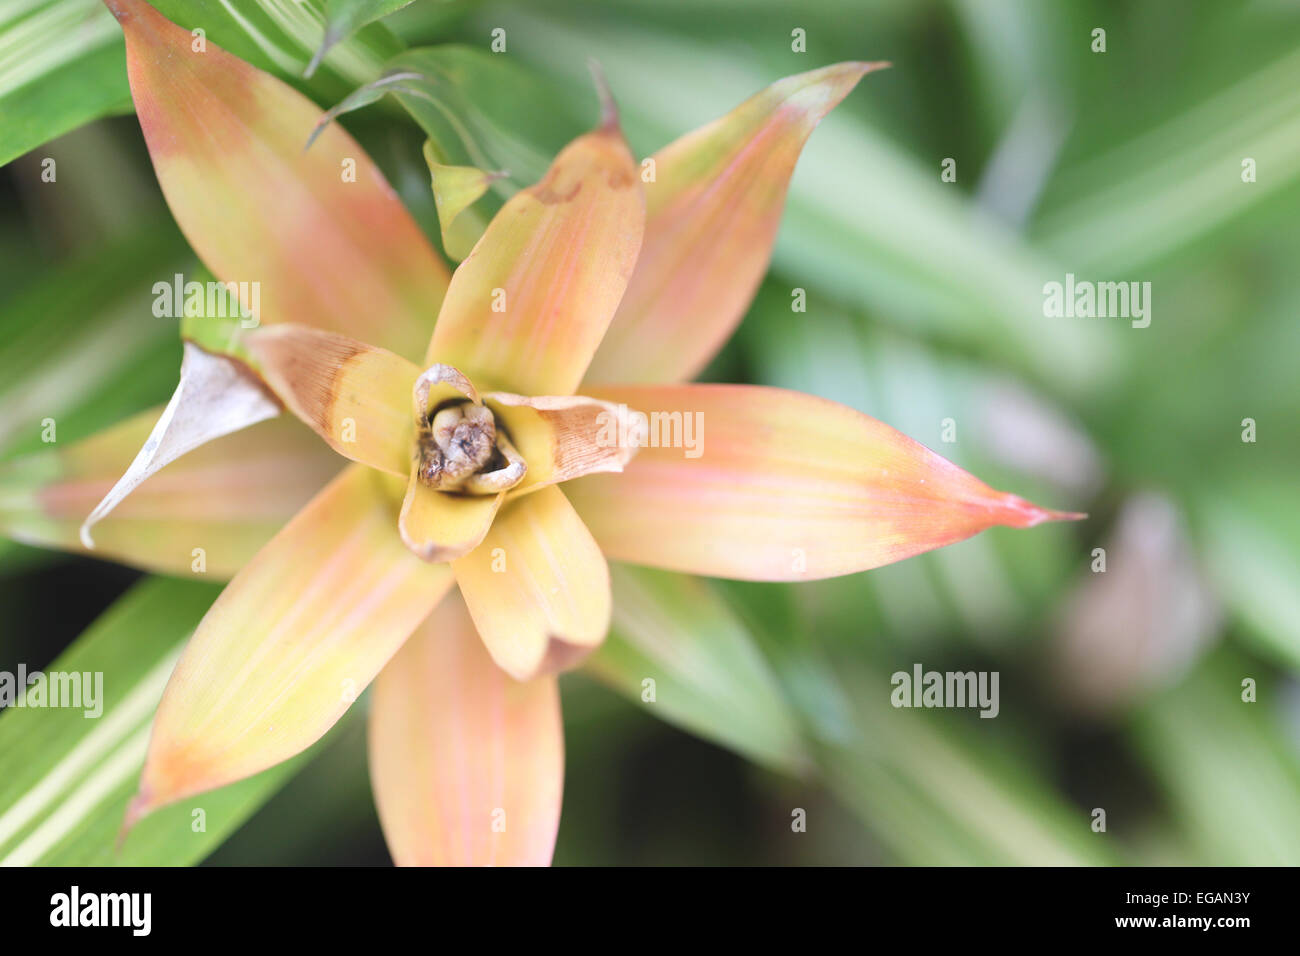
[461, 449]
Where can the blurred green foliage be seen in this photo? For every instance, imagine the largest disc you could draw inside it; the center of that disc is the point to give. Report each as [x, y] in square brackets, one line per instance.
[1120, 691]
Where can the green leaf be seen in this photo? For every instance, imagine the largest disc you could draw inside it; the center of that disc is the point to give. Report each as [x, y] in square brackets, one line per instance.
[281, 36]
[935, 787]
[98, 353]
[1128, 207]
[344, 17]
[914, 251]
[708, 676]
[65, 778]
[478, 109]
[1229, 768]
[455, 191]
[62, 62]
[934, 800]
[485, 110]
[1251, 542]
[947, 788]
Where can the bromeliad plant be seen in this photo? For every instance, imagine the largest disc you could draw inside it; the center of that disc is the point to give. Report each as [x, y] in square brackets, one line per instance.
[446, 563]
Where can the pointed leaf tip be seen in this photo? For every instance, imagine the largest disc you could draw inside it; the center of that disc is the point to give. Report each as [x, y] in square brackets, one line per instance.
[455, 190]
[608, 107]
[291, 642]
[136, 810]
[783, 487]
[326, 44]
[1020, 513]
[215, 396]
[119, 8]
[711, 221]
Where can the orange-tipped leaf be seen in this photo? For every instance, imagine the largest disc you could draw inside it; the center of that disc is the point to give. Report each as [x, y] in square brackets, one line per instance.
[527, 308]
[712, 211]
[766, 484]
[207, 513]
[319, 230]
[291, 643]
[537, 587]
[355, 396]
[467, 765]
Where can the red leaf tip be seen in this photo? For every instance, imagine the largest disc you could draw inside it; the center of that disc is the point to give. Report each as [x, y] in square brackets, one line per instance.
[122, 9]
[608, 108]
[136, 810]
[1019, 513]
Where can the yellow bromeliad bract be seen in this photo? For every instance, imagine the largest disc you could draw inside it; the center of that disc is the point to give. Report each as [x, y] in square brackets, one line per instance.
[504, 428]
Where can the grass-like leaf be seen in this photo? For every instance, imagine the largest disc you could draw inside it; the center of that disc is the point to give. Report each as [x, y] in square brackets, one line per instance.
[67, 778]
